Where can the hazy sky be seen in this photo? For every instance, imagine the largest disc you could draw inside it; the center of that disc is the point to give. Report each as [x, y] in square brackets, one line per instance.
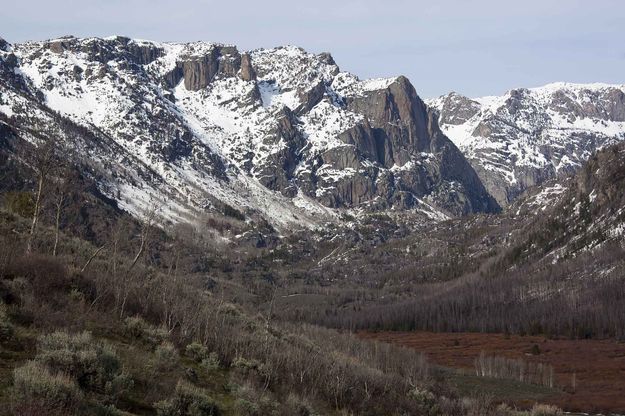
[475, 47]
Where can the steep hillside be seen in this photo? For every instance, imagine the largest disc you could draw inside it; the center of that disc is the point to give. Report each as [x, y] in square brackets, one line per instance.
[528, 136]
[552, 264]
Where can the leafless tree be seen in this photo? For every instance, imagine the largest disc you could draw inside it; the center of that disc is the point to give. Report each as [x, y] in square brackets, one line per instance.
[44, 161]
[147, 225]
[62, 189]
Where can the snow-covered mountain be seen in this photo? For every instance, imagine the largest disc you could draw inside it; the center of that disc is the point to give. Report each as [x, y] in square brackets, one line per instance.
[280, 132]
[527, 136]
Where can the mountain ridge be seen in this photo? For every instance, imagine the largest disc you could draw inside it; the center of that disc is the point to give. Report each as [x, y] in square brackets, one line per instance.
[529, 135]
[299, 135]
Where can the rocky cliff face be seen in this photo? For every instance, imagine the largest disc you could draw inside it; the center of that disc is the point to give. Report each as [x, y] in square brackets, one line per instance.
[281, 132]
[528, 136]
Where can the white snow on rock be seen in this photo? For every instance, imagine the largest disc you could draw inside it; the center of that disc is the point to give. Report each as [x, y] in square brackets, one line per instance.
[529, 135]
[231, 121]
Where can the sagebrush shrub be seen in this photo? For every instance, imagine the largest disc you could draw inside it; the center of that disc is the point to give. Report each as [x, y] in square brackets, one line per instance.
[136, 327]
[187, 401]
[109, 410]
[197, 351]
[297, 406]
[545, 410]
[426, 400]
[20, 203]
[245, 407]
[252, 402]
[93, 365]
[166, 356]
[211, 362]
[34, 385]
[46, 274]
[246, 365]
[6, 328]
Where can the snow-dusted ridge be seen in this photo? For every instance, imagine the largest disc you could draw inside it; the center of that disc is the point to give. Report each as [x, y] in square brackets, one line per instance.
[528, 135]
[279, 132]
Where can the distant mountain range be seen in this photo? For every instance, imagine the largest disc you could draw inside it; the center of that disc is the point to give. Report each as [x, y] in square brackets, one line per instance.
[284, 135]
[527, 136]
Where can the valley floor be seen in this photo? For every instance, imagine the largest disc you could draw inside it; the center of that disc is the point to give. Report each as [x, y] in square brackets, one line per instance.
[596, 367]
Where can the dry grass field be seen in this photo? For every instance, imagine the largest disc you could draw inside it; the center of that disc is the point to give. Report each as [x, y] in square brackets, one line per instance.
[589, 373]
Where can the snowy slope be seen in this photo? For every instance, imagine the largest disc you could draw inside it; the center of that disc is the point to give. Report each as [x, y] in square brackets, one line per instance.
[280, 133]
[530, 135]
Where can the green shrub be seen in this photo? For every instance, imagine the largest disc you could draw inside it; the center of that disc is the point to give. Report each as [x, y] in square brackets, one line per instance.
[136, 327]
[20, 203]
[187, 401]
[246, 408]
[94, 366]
[426, 401]
[295, 405]
[197, 351]
[232, 212]
[211, 362]
[109, 410]
[6, 329]
[251, 402]
[504, 410]
[535, 350]
[228, 309]
[479, 404]
[166, 356]
[247, 365]
[35, 387]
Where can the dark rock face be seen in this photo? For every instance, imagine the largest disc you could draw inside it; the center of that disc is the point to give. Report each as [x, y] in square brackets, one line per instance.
[144, 54]
[247, 70]
[398, 130]
[277, 173]
[105, 50]
[311, 98]
[198, 72]
[173, 77]
[4, 45]
[58, 46]
[364, 139]
[606, 105]
[399, 117]
[8, 63]
[326, 58]
[615, 108]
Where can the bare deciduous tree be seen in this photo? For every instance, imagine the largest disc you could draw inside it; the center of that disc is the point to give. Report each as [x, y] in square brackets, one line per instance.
[62, 189]
[147, 225]
[43, 164]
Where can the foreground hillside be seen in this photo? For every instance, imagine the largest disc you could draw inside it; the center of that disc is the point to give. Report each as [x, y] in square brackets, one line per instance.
[84, 333]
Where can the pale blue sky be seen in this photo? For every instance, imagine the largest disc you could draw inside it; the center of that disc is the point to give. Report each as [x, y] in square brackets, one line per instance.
[475, 47]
